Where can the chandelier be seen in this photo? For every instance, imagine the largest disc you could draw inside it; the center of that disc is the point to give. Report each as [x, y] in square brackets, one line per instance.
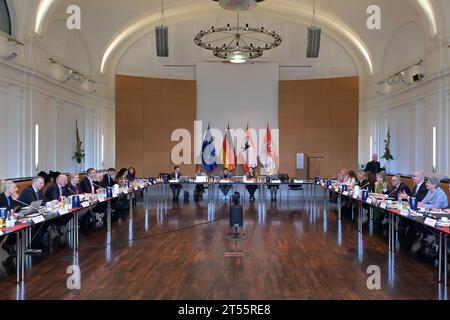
[238, 43]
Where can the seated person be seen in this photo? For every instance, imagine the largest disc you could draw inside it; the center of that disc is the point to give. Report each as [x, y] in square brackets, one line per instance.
[108, 178]
[342, 175]
[121, 203]
[398, 187]
[58, 189]
[8, 200]
[225, 176]
[351, 179]
[381, 186]
[32, 193]
[251, 176]
[88, 185]
[72, 186]
[199, 188]
[273, 174]
[362, 181]
[448, 208]
[436, 197]
[420, 190]
[131, 174]
[176, 188]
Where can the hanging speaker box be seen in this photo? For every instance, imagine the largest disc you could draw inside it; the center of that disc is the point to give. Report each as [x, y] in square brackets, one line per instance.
[162, 41]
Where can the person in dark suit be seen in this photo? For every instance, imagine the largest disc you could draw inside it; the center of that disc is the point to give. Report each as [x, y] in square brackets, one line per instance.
[374, 165]
[7, 200]
[33, 193]
[420, 188]
[225, 176]
[398, 187]
[108, 178]
[88, 185]
[57, 189]
[176, 188]
[72, 186]
[372, 169]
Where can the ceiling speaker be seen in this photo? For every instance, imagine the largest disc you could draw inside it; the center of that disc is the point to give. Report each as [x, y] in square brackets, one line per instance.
[162, 41]
[313, 49]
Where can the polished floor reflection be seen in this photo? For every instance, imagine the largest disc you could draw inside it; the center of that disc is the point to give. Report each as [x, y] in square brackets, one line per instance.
[295, 249]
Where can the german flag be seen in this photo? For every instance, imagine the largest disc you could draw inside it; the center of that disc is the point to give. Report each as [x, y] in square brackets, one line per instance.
[228, 152]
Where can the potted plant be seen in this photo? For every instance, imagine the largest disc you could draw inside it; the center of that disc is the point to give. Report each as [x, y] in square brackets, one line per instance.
[79, 153]
[387, 150]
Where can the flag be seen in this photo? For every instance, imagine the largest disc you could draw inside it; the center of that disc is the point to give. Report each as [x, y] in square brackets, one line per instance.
[247, 154]
[268, 154]
[209, 152]
[228, 152]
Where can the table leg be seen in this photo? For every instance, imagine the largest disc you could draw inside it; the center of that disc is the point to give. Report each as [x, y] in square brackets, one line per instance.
[390, 232]
[340, 206]
[130, 204]
[440, 257]
[18, 256]
[22, 251]
[445, 259]
[108, 216]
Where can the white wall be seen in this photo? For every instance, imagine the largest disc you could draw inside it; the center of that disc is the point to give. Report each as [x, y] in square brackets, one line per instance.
[27, 99]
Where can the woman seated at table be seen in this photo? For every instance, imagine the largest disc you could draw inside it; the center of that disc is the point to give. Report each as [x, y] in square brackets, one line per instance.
[273, 187]
[8, 200]
[381, 185]
[73, 185]
[131, 174]
[351, 179]
[121, 203]
[251, 176]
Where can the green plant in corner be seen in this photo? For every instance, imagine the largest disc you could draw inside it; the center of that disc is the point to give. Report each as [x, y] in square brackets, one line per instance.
[387, 146]
[79, 153]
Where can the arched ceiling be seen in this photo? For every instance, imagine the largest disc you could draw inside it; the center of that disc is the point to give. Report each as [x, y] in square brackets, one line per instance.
[109, 27]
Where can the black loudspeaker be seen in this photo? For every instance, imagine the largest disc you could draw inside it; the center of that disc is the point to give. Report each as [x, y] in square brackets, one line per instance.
[236, 216]
[162, 41]
[418, 77]
[314, 34]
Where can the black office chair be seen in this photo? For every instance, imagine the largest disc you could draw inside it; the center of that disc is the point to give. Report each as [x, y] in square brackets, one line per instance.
[291, 187]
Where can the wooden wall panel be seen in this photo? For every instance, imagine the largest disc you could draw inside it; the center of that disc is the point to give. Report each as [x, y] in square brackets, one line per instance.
[319, 118]
[147, 112]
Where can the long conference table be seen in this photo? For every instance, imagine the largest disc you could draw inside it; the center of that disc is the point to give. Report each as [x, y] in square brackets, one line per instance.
[394, 214]
[24, 230]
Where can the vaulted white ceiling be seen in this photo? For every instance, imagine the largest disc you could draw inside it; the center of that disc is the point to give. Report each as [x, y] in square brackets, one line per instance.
[110, 27]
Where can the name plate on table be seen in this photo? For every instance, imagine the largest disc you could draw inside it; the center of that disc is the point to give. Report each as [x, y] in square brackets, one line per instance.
[1, 232]
[85, 204]
[345, 193]
[63, 212]
[330, 187]
[369, 200]
[430, 222]
[136, 188]
[404, 213]
[101, 199]
[276, 181]
[38, 219]
[125, 191]
[383, 205]
[355, 196]
[299, 181]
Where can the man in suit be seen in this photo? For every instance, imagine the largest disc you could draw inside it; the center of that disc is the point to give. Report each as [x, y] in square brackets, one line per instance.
[33, 193]
[225, 176]
[176, 188]
[7, 200]
[372, 169]
[108, 178]
[398, 187]
[420, 189]
[88, 185]
[374, 166]
[58, 189]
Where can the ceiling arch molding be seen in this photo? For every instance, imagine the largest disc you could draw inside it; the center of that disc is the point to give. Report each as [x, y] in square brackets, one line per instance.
[280, 9]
